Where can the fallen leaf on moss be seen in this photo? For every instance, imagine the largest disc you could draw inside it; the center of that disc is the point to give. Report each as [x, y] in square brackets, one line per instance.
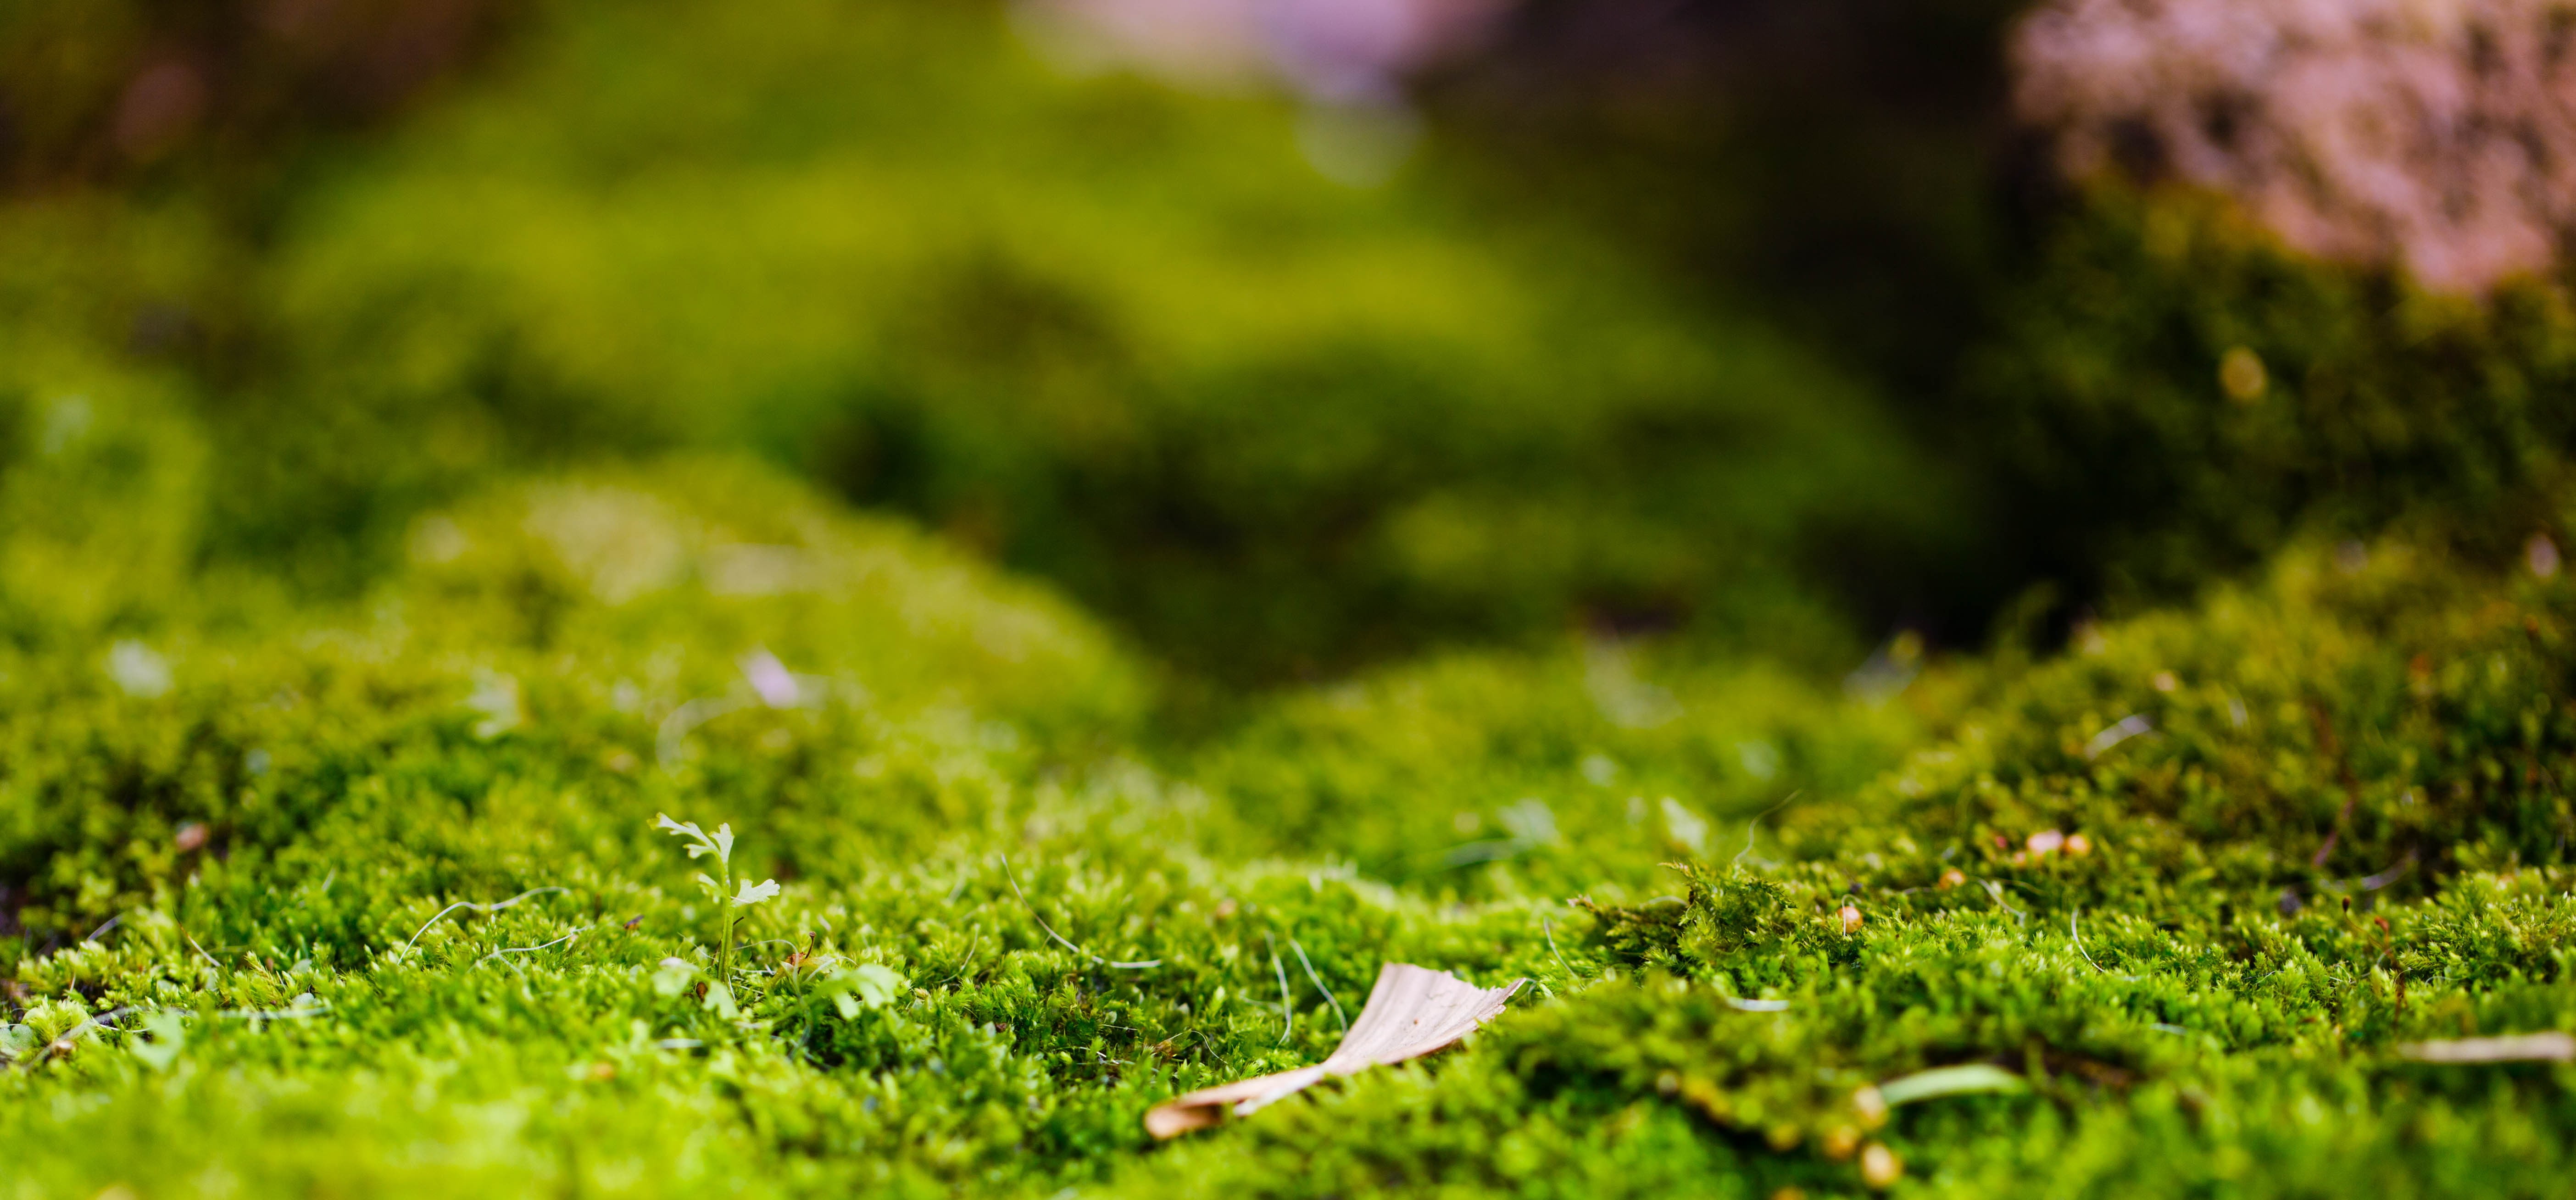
[1411, 1012]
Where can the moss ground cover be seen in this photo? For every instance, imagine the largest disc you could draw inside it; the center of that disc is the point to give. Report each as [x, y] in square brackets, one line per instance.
[676, 622]
[370, 898]
[1117, 336]
[2174, 393]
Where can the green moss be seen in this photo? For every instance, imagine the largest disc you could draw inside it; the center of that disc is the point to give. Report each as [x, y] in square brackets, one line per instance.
[364, 599]
[2208, 994]
[2365, 708]
[580, 633]
[1538, 775]
[283, 835]
[2136, 471]
[1120, 337]
[102, 479]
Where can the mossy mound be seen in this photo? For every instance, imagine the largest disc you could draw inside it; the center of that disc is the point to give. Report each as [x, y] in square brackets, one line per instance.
[588, 635]
[375, 589]
[2170, 395]
[1008, 924]
[282, 822]
[1129, 340]
[1538, 775]
[2196, 909]
[2384, 710]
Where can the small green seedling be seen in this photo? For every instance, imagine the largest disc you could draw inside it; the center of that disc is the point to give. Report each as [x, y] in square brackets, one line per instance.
[730, 901]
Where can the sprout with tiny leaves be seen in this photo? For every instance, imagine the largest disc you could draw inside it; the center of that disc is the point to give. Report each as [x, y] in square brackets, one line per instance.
[721, 888]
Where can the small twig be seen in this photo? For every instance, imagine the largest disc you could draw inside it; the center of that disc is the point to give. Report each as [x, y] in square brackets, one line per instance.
[1757, 819]
[1287, 1013]
[1319, 984]
[201, 951]
[1050, 930]
[496, 906]
[111, 924]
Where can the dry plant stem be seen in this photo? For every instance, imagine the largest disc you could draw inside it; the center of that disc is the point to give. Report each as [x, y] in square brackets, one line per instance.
[1318, 981]
[1287, 1013]
[1411, 1012]
[533, 949]
[2528, 1047]
[1757, 820]
[1059, 938]
[731, 915]
[495, 906]
[1547, 928]
[246, 1014]
[2076, 936]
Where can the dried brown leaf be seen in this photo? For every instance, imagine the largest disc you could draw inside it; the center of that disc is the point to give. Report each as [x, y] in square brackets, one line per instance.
[1411, 1012]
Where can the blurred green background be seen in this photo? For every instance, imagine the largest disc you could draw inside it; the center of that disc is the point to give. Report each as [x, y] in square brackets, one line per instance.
[1758, 328]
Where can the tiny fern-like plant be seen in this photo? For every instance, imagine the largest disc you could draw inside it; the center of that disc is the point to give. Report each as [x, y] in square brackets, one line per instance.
[730, 900]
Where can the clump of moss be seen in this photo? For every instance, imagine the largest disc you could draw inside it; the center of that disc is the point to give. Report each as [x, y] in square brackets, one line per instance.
[991, 953]
[401, 859]
[1122, 338]
[609, 635]
[2171, 395]
[2389, 713]
[102, 472]
[2085, 954]
[1537, 774]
